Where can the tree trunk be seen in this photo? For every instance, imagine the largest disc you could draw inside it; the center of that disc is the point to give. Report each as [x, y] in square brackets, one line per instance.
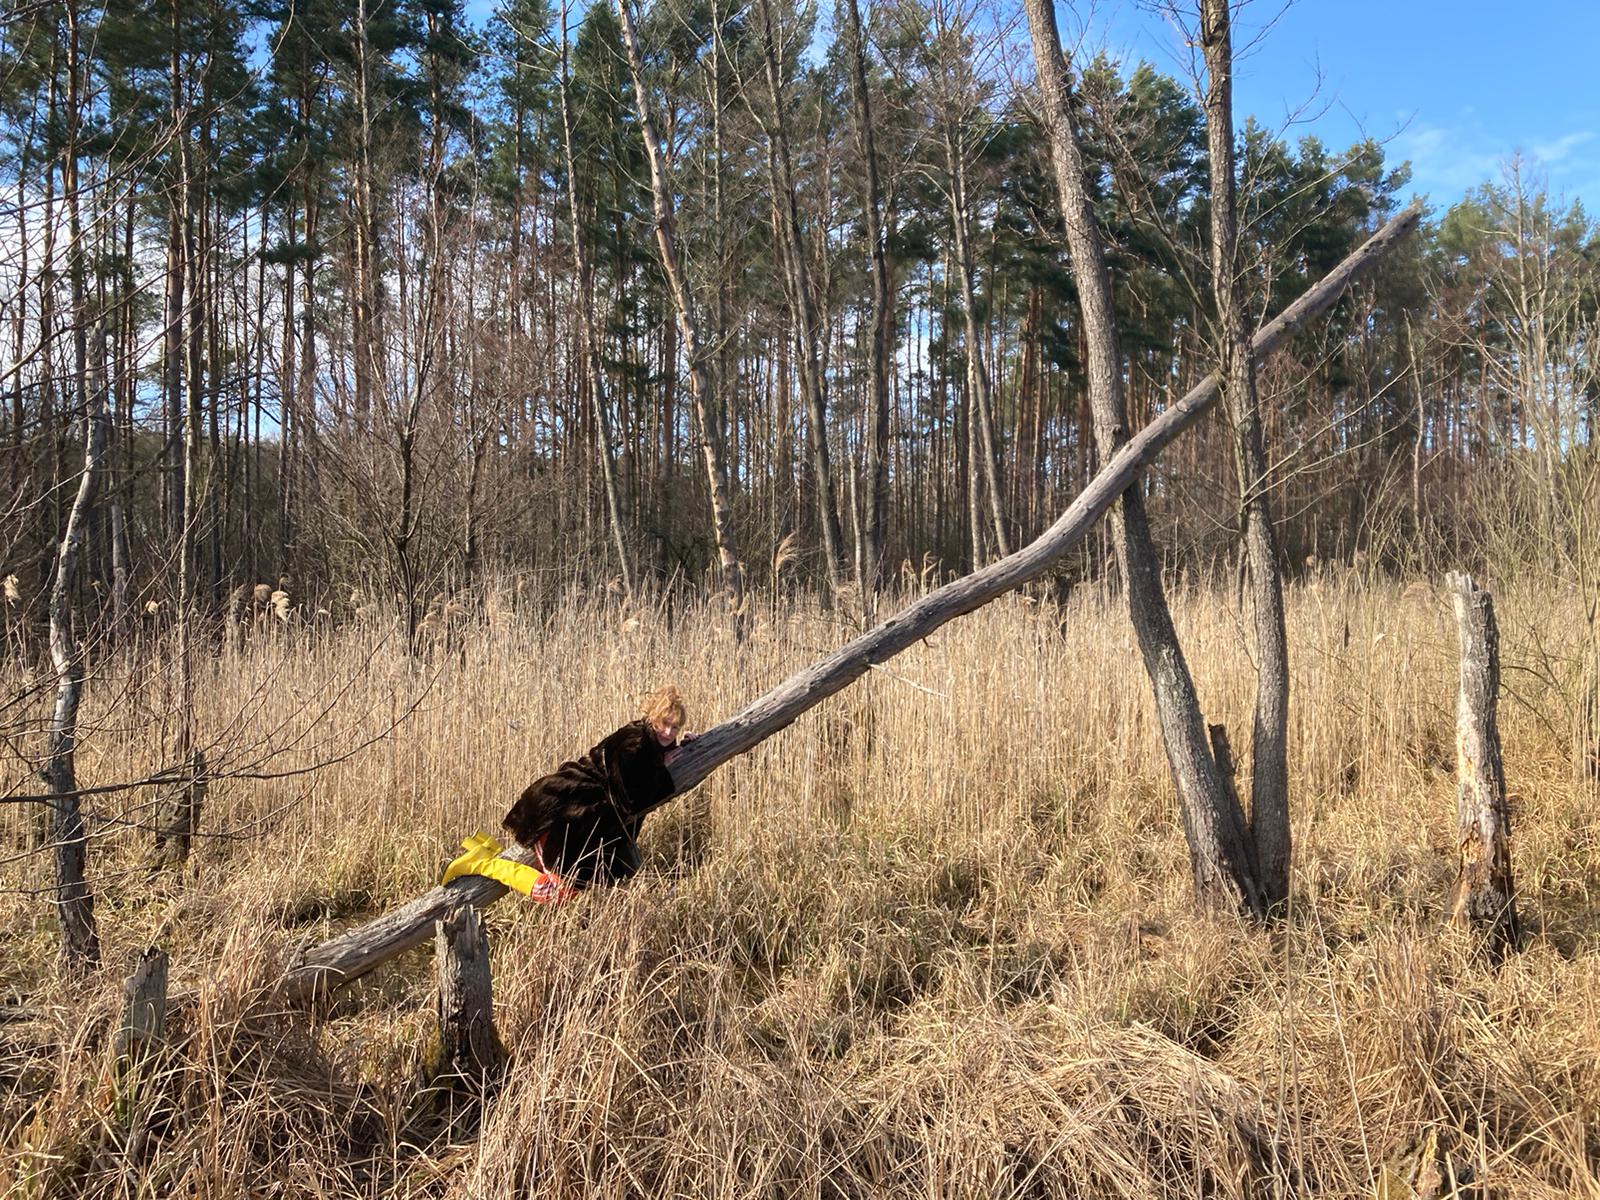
[172, 377]
[358, 951]
[179, 819]
[363, 313]
[1485, 895]
[591, 335]
[880, 349]
[984, 451]
[1218, 846]
[802, 309]
[469, 1049]
[1269, 780]
[119, 469]
[710, 421]
[80, 942]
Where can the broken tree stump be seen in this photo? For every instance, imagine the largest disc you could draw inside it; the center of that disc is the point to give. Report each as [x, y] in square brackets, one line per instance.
[1484, 897]
[143, 1106]
[468, 1050]
[178, 811]
[144, 1008]
[357, 951]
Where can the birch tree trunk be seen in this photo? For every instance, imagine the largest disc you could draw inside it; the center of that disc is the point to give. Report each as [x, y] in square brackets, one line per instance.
[1269, 780]
[80, 941]
[1224, 875]
[709, 420]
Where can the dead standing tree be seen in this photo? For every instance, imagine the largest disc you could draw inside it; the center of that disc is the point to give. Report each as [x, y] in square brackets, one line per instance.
[358, 951]
[1485, 896]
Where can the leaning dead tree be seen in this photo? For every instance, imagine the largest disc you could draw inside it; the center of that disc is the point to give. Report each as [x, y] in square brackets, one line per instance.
[1485, 896]
[358, 951]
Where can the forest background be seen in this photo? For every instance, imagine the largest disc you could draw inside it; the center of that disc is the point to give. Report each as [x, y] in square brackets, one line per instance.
[367, 232]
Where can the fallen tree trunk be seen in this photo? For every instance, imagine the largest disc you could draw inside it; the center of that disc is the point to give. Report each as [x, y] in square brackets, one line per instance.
[360, 950]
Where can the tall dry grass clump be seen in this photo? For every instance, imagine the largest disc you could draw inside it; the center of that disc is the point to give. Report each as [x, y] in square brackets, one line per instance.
[936, 939]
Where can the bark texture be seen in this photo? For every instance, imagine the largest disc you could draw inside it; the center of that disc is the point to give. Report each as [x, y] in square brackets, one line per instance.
[144, 1006]
[469, 1048]
[80, 939]
[1485, 895]
[178, 811]
[1269, 748]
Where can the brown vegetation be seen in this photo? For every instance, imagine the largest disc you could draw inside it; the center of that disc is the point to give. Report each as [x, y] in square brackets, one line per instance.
[935, 939]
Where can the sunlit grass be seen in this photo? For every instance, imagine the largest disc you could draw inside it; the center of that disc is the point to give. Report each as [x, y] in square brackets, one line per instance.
[935, 939]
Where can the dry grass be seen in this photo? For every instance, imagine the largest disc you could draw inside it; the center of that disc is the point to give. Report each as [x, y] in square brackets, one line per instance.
[934, 940]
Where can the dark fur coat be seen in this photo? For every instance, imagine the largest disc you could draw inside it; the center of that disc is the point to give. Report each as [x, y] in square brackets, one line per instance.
[588, 810]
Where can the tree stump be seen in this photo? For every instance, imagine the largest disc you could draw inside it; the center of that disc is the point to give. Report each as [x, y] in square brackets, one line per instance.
[142, 1108]
[144, 1010]
[468, 1050]
[178, 812]
[1485, 895]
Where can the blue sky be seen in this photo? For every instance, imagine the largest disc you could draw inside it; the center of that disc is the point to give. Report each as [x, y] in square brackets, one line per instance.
[1456, 88]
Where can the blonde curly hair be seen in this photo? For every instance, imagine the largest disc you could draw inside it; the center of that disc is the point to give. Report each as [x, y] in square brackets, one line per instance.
[665, 706]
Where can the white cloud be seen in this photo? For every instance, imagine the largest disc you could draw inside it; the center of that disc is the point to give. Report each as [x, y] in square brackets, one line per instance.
[1445, 162]
[1555, 151]
[1448, 160]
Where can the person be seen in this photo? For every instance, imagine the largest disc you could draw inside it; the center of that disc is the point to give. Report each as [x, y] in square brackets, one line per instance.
[582, 820]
